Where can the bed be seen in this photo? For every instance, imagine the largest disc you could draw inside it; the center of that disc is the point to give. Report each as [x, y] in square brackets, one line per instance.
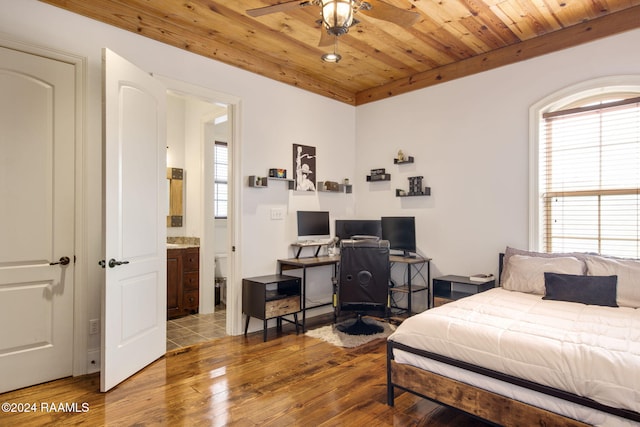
[557, 344]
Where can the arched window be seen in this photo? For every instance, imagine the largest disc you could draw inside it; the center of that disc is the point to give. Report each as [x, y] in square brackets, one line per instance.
[585, 169]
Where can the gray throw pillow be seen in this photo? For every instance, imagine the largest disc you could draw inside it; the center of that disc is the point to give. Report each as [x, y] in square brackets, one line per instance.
[593, 290]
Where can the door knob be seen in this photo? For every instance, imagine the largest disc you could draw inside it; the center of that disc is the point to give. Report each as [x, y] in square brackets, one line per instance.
[62, 261]
[113, 263]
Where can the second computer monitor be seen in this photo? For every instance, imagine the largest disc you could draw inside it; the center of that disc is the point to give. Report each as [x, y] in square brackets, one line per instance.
[348, 228]
[400, 231]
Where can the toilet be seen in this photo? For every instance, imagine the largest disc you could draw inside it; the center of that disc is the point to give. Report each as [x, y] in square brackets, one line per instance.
[221, 269]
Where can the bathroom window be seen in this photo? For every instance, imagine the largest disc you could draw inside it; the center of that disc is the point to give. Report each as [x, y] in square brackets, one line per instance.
[221, 179]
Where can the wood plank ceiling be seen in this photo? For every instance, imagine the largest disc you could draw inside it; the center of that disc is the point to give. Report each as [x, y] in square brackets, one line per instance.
[452, 38]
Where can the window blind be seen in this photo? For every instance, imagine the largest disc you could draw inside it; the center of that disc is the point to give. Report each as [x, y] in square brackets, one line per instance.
[589, 179]
[221, 174]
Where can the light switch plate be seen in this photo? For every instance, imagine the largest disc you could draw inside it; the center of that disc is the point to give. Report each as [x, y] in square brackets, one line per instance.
[277, 213]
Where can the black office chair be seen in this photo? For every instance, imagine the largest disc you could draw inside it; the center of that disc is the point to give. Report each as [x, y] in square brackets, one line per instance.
[362, 284]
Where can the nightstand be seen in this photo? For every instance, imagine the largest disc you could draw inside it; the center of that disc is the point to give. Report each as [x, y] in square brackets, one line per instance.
[450, 288]
[268, 297]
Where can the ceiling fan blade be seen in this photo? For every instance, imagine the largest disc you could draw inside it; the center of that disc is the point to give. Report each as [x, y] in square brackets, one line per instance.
[326, 39]
[387, 12]
[280, 7]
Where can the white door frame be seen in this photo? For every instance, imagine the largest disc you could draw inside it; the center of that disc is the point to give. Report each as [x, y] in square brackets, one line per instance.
[207, 252]
[80, 301]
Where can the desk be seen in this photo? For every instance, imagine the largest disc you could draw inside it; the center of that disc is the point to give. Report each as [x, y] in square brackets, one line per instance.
[408, 289]
[304, 263]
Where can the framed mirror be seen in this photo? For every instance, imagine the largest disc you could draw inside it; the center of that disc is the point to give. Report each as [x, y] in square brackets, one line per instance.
[175, 177]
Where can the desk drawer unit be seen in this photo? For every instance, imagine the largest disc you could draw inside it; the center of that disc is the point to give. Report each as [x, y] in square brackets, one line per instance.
[281, 307]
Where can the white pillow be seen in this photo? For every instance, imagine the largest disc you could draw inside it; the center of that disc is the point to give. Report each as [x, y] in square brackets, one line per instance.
[628, 272]
[526, 273]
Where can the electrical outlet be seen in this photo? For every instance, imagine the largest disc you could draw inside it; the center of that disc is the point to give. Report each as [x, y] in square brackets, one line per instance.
[277, 213]
[93, 361]
[94, 326]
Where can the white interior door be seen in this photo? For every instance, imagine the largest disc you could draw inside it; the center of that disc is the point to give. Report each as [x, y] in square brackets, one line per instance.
[36, 218]
[134, 300]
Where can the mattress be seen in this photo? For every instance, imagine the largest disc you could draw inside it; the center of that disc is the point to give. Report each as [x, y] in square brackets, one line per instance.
[587, 350]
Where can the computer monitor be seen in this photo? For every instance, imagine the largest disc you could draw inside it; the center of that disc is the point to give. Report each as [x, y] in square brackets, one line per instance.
[313, 224]
[400, 231]
[347, 228]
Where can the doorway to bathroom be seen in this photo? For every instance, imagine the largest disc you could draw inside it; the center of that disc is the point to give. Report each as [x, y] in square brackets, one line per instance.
[200, 141]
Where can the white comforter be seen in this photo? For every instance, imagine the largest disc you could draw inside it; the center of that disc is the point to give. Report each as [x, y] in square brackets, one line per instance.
[588, 350]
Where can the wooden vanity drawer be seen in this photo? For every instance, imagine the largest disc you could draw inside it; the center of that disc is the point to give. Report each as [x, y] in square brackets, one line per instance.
[191, 301]
[191, 259]
[282, 306]
[191, 281]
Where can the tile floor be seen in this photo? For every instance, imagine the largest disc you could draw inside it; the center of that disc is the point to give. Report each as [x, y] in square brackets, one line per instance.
[196, 328]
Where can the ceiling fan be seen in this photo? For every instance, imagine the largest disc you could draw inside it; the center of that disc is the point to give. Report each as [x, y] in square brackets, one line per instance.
[338, 15]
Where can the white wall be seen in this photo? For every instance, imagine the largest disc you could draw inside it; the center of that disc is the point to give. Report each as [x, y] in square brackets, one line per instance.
[469, 138]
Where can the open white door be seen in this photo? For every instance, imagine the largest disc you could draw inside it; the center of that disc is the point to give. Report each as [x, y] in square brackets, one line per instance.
[134, 297]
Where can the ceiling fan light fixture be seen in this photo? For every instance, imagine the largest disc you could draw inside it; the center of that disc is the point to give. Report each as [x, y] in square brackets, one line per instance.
[331, 57]
[337, 15]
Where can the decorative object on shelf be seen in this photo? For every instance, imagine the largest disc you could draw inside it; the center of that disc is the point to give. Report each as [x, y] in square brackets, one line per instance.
[346, 181]
[304, 163]
[331, 186]
[378, 174]
[415, 188]
[402, 158]
[482, 278]
[277, 173]
[415, 185]
[258, 181]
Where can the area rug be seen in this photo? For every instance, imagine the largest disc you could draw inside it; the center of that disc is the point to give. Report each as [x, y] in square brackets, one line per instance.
[333, 336]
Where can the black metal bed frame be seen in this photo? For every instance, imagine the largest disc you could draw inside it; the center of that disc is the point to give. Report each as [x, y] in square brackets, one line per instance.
[550, 391]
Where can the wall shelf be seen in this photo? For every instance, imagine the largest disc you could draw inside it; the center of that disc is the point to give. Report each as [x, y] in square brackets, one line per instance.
[332, 188]
[408, 159]
[425, 192]
[290, 182]
[415, 188]
[263, 181]
[381, 177]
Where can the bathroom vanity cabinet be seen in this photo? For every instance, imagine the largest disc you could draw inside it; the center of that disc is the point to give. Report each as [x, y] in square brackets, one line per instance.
[183, 281]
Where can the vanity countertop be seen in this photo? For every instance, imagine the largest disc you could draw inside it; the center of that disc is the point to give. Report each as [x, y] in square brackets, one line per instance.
[181, 245]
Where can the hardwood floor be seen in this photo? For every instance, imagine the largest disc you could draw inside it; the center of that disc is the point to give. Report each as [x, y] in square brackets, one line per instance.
[241, 381]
